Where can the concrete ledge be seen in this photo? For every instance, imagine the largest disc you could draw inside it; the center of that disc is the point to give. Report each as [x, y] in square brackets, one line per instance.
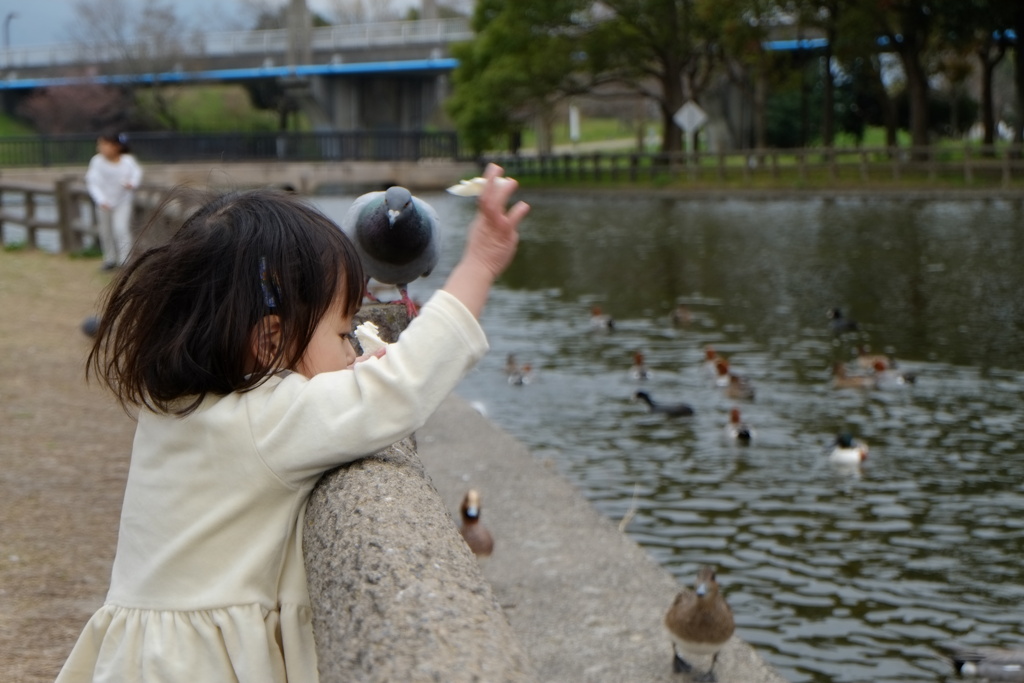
[305, 177]
[585, 601]
[397, 595]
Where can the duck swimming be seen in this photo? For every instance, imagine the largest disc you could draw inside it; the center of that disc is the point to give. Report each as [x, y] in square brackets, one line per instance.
[848, 451]
[600, 320]
[681, 316]
[735, 386]
[870, 361]
[699, 623]
[711, 359]
[639, 370]
[840, 324]
[889, 378]
[842, 380]
[989, 663]
[522, 376]
[670, 409]
[736, 430]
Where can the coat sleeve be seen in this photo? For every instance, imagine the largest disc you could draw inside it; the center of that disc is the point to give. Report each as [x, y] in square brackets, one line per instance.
[305, 427]
[134, 172]
[94, 182]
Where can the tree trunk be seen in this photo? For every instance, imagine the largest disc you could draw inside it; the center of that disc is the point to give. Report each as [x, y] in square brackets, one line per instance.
[988, 114]
[888, 107]
[917, 88]
[828, 114]
[672, 87]
[760, 113]
[545, 135]
[1018, 72]
[672, 135]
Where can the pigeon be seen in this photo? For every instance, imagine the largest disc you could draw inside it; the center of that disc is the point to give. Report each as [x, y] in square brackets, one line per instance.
[476, 535]
[397, 237]
[699, 622]
[91, 326]
[670, 409]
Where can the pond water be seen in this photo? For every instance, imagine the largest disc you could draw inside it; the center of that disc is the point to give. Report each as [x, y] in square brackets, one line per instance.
[833, 574]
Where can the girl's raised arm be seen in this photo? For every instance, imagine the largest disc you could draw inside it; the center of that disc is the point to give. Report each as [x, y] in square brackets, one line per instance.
[491, 242]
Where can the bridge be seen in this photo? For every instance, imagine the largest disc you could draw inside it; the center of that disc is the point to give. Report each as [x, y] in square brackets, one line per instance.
[386, 75]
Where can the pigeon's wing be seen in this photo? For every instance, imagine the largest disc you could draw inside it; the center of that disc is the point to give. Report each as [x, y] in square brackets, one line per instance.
[433, 252]
[350, 221]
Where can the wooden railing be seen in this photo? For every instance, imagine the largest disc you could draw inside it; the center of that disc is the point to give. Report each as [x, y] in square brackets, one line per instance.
[64, 207]
[968, 166]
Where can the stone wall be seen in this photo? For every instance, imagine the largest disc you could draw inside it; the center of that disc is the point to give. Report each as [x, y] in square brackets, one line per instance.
[396, 593]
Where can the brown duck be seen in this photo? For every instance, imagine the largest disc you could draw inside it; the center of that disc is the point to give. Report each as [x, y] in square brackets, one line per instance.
[476, 534]
[699, 622]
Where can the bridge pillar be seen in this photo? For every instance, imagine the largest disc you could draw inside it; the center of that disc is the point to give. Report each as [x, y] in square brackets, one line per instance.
[408, 102]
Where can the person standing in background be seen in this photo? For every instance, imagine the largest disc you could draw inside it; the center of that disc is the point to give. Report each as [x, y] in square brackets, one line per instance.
[111, 180]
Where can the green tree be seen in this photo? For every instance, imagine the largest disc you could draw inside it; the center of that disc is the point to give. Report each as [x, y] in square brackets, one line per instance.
[1015, 20]
[980, 28]
[910, 28]
[524, 61]
[741, 29]
[529, 55]
[853, 50]
[661, 49]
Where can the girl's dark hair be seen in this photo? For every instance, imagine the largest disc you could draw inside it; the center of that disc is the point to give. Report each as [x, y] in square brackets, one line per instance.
[177, 321]
[117, 138]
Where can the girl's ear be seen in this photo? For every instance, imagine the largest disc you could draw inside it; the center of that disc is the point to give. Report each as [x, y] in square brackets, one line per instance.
[265, 340]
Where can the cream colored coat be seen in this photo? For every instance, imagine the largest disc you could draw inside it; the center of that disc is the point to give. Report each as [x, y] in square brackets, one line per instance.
[208, 583]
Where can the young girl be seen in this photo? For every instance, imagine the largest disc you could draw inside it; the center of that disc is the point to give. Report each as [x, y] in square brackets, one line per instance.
[111, 180]
[233, 342]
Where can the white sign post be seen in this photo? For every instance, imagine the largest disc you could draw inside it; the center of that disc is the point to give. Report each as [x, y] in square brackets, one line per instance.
[574, 124]
[691, 118]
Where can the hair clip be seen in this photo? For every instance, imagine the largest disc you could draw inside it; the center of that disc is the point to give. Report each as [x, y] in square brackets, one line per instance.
[122, 138]
[271, 292]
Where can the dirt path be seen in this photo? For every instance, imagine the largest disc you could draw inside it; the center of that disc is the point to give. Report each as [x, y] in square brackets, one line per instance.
[64, 449]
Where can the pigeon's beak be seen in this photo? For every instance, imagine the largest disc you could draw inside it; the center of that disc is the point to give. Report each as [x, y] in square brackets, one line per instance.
[472, 512]
[702, 589]
[392, 215]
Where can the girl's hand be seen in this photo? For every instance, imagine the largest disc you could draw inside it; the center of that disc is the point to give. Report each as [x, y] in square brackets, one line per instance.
[494, 232]
[379, 353]
[490, 244]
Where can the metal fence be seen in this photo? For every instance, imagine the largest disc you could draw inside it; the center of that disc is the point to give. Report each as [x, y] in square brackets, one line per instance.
[76, 150]
[968, 166]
